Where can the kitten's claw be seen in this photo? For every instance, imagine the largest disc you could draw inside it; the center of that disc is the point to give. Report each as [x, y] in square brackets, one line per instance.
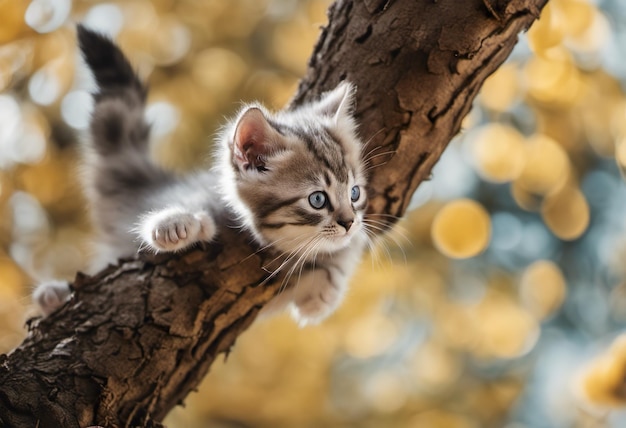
[51, 295]
[174, 229]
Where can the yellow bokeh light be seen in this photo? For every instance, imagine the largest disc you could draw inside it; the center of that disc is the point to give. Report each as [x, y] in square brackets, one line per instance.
[503, 328]
[498, 152]
[388, 392]
[620, 154]
[501, 89]
[548, 31]
[11, 19]
[461, 229]
[434, 366]
[542, 288]
[11, 280]
[566, 213]
[546, 166]
[275, 88]
[578, 15]
[525, 199]
[51, 190]
[440, 419]
[6, 73]
[370, 336]
[455, 325]
[219, 70]
[171, 42]
[605, 121]
[554, 79]
[288, 40]
[592, 31]
[602, 382]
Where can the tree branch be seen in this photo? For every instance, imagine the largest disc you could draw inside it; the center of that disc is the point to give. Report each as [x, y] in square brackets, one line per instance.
[138, 337]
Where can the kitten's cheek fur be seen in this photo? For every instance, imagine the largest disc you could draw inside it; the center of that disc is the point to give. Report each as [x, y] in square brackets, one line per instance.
[51, 295]
[175, 228]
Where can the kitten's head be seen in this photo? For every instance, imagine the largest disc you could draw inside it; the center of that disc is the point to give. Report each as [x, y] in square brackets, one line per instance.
[296, 177]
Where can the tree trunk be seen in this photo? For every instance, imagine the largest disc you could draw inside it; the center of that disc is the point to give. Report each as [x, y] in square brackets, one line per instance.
[137, 338]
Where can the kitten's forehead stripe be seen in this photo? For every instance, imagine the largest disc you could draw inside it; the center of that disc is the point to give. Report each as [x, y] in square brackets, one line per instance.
[325, 149]
[310, 144]
[336, 140]
[327, 178]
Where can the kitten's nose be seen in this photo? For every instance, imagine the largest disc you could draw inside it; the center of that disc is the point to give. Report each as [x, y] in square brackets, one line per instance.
[345, 223]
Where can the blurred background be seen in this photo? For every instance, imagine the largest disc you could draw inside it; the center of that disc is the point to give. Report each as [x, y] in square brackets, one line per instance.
[497, 302]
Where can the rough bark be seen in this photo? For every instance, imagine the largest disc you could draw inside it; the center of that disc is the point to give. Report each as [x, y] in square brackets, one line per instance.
[137, 338]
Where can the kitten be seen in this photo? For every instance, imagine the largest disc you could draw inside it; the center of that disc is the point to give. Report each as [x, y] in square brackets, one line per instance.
[294, 179]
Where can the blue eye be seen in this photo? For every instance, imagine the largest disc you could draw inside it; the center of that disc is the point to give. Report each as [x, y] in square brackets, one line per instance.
[317, 200]
[355, 194]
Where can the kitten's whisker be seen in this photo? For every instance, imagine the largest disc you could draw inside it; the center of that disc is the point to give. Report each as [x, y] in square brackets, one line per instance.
[387, 215]
[371, 167]
[369, 140]
[383, 227]
[391, 236]
[313, 243]
[292, 254]
[387, 228]
[281, 254]
[390, 152]
[313, 248]
[374, 135]
[371, 247]
[265, 247]
[383, 245]
[376, 245]
[391, 230]
[279, 268]
[375, 216]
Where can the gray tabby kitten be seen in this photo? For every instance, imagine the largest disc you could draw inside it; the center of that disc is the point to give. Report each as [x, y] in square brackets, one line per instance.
[294, 179]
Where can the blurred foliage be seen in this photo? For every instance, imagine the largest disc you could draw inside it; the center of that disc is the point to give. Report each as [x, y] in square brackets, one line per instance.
[494, 302]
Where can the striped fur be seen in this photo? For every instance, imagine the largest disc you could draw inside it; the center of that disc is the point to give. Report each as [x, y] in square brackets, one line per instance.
[268, 167]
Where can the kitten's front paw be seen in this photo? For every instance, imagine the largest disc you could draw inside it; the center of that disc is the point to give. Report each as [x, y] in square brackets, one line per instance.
[51, 295]
[315, 299]
[174, 229]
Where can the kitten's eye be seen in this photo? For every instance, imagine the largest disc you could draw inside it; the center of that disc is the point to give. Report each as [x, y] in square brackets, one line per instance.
[317, 200]
[355, 194]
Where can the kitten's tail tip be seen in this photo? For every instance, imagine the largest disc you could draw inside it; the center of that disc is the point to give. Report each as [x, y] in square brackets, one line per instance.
[105, 59]
[90, 41]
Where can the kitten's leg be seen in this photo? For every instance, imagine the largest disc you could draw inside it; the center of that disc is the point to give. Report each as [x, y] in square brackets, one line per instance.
[51, 295]
[175, 228]
[278, 304]
[317, 294]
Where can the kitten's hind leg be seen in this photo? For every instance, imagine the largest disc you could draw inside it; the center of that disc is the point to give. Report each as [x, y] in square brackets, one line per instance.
[175, 228]
[51, 295]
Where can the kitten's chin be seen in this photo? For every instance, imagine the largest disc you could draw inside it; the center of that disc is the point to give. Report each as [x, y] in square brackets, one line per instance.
[336, 243]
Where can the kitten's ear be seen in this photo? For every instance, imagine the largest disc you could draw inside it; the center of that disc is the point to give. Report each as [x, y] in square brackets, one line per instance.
[255, 140]
[338, 103]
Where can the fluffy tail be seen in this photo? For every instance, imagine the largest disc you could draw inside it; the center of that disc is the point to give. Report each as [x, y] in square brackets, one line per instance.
[109, 65]
[117, 121]
[119, 175]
